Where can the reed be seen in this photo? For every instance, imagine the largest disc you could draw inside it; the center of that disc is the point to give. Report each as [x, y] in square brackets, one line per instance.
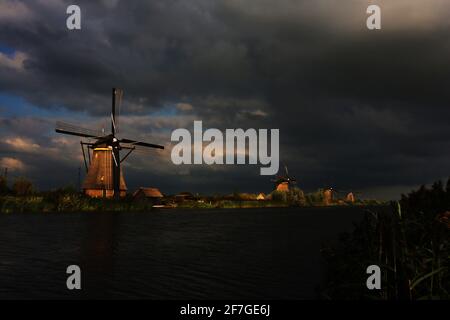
[409, 240]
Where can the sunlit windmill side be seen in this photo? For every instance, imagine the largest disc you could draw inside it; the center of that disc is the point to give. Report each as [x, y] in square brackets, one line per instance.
[283, 183]
[104, 176]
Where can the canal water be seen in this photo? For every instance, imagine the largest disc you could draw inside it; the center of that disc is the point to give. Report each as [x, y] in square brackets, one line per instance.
[270, 253]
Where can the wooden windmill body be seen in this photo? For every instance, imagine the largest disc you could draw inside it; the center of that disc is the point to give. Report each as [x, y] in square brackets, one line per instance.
[99, 178]
[104, 177]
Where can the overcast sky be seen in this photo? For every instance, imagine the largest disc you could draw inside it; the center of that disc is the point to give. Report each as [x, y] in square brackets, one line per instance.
[357, 109]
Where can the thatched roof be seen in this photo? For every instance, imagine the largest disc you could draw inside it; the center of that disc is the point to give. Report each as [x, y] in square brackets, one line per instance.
[148, 193]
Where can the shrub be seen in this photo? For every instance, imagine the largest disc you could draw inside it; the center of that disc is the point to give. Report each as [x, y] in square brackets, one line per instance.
[3, 186]
[315, 198]
[279, 196]
[296, 196]
[22, 187]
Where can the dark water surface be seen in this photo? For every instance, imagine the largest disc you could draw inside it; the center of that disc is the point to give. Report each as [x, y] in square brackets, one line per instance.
[173, 254]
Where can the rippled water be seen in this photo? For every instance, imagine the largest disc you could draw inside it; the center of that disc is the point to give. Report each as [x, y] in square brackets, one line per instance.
[173, 254]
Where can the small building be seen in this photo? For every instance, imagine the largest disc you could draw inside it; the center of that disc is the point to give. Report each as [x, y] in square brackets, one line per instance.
[182, 196]
[261, 196]
[148, 194]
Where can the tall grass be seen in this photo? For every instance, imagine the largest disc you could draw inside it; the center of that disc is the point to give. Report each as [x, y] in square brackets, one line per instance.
[409, 240]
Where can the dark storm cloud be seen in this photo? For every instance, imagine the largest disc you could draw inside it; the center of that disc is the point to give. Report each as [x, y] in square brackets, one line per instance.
[356, 108]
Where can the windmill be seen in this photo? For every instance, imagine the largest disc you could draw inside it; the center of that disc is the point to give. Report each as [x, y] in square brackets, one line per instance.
[282, 183]
[330, 194]
[104, 176]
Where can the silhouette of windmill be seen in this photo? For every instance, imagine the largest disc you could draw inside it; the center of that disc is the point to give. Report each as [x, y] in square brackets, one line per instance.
[104, 175]
[282, 183]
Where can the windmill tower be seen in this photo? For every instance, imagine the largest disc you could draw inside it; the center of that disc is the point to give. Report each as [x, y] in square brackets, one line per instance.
[104, 176]
[331, 195]
[282, 183]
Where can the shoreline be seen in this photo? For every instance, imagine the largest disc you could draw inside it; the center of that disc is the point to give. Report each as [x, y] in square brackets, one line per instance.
[79, 204]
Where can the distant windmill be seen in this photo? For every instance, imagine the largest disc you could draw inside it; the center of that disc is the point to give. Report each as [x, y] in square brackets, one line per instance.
[282, 183]
[104, 176]
[330, 194]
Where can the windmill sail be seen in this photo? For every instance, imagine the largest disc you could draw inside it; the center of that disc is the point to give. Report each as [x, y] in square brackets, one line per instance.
[72, 129]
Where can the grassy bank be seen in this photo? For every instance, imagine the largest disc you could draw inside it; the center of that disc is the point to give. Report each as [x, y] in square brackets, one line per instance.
[69, 201]
[80, 203]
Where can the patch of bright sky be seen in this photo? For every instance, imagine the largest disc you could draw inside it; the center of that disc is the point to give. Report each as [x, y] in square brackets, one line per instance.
[169, 110]
[16, 106]
[9, 51]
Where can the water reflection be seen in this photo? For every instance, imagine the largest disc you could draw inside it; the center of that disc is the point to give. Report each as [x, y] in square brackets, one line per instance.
[98, 252]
